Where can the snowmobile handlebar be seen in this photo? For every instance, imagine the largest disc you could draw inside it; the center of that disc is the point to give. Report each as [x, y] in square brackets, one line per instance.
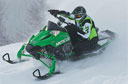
[61, 19]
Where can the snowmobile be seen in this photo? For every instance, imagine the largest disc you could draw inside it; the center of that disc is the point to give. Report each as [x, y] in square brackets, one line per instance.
[53, 43]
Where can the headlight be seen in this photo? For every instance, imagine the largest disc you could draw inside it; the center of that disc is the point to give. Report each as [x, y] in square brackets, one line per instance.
[54, 32]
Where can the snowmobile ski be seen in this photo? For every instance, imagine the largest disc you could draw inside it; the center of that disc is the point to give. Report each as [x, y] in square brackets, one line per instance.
[6, 57]
[37, 74]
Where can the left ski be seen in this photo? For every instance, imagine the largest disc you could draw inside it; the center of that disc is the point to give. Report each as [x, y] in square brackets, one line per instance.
[7, 59]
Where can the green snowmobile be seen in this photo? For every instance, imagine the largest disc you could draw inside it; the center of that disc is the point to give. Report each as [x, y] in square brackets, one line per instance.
[53, 43]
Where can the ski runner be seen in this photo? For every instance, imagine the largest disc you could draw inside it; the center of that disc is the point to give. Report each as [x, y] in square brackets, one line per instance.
[83, 34]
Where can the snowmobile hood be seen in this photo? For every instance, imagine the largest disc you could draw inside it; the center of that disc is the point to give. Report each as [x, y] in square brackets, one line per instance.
[41, 38]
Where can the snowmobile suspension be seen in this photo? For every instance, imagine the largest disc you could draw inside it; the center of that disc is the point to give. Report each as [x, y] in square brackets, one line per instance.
[51, 68]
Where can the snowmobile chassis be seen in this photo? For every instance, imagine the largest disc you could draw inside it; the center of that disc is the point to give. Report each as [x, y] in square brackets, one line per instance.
[51, 67]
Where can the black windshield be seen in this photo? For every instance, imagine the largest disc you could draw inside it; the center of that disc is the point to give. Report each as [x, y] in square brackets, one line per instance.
[54, 26]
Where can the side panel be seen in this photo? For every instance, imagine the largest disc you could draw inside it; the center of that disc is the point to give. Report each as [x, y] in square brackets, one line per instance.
[62, 38]
[45, 38]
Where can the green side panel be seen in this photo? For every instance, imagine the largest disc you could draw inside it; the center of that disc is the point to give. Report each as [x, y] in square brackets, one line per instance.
[60, 39]
[44, 38]
[40, 38]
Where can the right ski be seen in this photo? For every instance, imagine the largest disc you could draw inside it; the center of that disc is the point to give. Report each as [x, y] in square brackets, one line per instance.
[37, 74]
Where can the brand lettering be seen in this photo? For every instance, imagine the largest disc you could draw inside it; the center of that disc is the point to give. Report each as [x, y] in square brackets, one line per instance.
[62, 41]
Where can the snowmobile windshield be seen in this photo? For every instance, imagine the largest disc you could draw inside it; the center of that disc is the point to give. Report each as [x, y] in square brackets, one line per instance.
[54, 26]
